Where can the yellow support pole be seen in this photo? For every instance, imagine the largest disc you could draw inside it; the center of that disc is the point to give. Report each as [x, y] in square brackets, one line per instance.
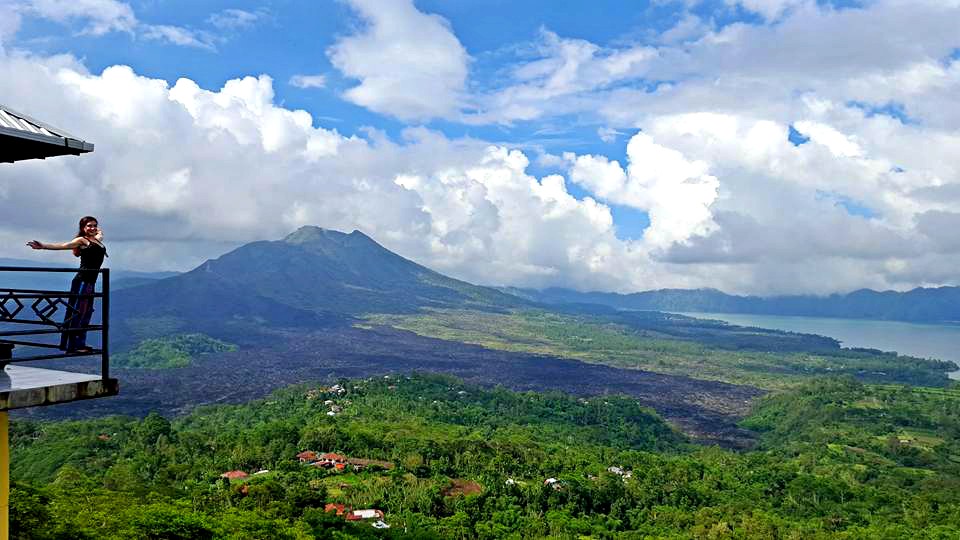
[4, 476]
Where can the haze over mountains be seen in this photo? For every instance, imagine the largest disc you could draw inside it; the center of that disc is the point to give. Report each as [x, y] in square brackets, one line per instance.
[119, 278]
[918, 305]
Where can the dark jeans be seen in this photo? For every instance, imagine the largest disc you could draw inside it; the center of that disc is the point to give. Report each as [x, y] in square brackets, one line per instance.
[78, 314]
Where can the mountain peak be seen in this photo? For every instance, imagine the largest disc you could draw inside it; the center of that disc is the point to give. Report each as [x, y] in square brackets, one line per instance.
[310, 234]
[325, 271]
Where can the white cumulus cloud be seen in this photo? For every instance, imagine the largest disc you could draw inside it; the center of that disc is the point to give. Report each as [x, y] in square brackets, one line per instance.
[196, 171]
[676, 192]
[410, 64]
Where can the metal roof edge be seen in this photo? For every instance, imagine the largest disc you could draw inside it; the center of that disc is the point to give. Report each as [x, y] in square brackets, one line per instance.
[19, 133]
[83, 146]
[44, 125]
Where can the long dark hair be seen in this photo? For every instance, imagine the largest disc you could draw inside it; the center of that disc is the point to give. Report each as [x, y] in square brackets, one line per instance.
[83, 223]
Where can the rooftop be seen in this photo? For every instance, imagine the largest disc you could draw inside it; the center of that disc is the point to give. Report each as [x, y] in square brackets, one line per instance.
[23, 137]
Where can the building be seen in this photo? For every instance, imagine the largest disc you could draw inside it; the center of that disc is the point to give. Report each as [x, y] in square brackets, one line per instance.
[359, 515]
[307, 456]
[340, 509]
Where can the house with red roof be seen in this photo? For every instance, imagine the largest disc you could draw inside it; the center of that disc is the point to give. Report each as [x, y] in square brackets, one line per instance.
[307, 456]
[234, 475]
[340, 509]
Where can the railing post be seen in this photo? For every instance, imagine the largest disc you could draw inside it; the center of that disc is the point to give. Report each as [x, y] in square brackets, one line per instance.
[4, 476]
[6, 354]
[105, 322]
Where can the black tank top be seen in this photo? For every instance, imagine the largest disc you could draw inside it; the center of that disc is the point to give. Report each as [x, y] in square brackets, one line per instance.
[91, 258]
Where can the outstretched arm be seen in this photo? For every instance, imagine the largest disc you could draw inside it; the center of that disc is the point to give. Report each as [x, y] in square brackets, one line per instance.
[75, 243]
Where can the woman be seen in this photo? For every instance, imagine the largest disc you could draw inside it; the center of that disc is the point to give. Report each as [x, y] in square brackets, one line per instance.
[88, 245]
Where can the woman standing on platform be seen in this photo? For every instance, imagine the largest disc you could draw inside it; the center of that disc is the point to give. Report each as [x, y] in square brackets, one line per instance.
[88, 245]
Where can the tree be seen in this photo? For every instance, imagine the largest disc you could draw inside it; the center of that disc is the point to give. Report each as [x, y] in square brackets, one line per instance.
[29, 515]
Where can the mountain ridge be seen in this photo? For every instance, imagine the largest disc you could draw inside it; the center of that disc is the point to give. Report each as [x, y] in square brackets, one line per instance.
[928, 305]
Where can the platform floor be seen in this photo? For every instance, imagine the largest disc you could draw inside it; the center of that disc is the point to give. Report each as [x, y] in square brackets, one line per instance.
[33, 387]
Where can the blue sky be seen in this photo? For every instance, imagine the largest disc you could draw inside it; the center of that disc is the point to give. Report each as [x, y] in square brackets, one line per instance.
[290, 38]
[287, 38]
[611, 145]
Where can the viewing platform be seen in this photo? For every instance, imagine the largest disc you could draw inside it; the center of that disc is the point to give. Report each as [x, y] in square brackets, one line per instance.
[32, 321]
[33, 387]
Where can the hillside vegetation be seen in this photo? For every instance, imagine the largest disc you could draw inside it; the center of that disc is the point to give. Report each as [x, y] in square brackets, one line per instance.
[174, 351]
[838, 459]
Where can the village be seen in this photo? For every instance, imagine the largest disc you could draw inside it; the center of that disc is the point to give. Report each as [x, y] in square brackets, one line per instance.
[336, 463]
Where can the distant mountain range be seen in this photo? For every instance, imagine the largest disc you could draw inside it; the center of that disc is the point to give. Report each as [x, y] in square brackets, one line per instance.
[927, 305]
[119, 278]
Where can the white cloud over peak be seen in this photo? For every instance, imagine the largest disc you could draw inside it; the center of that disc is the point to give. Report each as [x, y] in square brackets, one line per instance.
[410, 64]
[676, 192]
[230, 166]
[492, 210]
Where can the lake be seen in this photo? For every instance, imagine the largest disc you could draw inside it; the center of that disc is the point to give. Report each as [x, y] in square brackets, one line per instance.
[940, 341]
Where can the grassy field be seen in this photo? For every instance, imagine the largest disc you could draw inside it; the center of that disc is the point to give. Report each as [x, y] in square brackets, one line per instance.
[593, 340]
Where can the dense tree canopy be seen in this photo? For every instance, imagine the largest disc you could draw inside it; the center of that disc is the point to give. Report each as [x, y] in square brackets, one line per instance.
[835, 458]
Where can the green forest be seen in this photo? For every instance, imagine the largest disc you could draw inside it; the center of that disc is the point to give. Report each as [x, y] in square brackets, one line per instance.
[835, 458]
[174, 351]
